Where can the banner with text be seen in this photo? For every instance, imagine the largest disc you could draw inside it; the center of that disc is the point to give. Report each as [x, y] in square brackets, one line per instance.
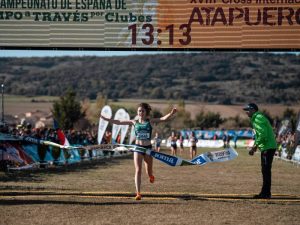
[218, 134]
[180, 24]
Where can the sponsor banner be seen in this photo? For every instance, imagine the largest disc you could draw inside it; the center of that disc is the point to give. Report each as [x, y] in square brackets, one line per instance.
[218, 134]
[11, 153]
[165, 158]
[215, 156]
[91, 151]
[8, 137]
[156, 24]
[75, 157]
[31, 149]
[124, 128]
[106, 111]
[200, 143]
[120, 115]
[215, 143]
[243, 143]
[210, 143]
[24, 152]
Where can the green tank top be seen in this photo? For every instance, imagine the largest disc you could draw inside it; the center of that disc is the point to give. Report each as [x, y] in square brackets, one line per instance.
[143, 131]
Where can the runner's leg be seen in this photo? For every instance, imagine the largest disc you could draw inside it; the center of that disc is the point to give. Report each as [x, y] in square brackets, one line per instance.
[138, 163]
[148, 160]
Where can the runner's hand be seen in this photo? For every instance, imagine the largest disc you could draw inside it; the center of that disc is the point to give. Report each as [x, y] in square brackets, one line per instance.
[174, 110]
[103, 117]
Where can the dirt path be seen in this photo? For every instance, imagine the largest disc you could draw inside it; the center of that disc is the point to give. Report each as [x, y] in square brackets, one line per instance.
[102, 193]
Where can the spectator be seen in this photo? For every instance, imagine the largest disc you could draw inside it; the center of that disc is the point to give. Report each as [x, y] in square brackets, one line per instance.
[193, 145]
[173, 139]
[235, 139]
[181, 139]
[224, 139]
[157, 142]
[107, 137]
[227, 144]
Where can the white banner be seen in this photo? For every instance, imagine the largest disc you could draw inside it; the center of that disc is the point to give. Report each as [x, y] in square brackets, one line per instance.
[200, 143]
[283, 153]
[297, 133]
[296, 156]
[106, 111]
[132, 132]
[215, 156]
[124, 129]
[210, 143]
[120, 115]
[132, 135]
[284, 127]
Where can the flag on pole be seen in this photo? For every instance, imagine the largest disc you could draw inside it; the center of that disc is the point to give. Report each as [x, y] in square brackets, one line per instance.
[60, 134]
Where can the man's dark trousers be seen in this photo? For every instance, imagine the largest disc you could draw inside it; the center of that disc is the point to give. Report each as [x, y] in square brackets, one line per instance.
[266, 166]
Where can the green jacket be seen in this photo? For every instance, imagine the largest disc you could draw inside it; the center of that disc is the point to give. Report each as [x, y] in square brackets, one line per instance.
[264, 135]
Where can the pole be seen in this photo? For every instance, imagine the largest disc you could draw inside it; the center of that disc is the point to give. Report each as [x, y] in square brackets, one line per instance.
[2, 90]
[2, 119]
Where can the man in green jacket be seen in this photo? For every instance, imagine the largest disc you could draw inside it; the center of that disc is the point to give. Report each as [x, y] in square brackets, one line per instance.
[265, 141]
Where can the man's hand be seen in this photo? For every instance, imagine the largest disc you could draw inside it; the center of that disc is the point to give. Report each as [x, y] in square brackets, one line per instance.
[252, 150]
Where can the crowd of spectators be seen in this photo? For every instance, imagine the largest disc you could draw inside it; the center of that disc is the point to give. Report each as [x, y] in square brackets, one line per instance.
[89, 137]
[86, 137]
[287, 142]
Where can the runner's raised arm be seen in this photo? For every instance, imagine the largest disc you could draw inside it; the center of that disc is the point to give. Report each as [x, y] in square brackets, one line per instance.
[118, 122]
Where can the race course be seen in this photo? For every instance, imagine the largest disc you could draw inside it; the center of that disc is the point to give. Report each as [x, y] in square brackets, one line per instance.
[103, 192]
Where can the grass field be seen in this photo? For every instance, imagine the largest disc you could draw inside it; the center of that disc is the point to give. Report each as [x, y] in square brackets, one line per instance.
[103, 193]
[15, 105]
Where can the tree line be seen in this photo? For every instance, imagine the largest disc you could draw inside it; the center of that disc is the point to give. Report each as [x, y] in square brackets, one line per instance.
[224, 78]
[68, 110]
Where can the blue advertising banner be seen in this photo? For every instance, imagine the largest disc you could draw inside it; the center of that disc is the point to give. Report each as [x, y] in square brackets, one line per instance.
[218, 134]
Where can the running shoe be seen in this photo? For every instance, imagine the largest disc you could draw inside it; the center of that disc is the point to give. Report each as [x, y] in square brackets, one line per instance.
[262, 196]
[151, 179]
[138, 196]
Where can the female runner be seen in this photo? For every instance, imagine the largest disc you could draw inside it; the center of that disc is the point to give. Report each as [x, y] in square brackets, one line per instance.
[143, 131]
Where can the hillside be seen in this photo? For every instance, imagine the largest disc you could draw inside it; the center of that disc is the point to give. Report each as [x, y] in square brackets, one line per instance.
[222, 78]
